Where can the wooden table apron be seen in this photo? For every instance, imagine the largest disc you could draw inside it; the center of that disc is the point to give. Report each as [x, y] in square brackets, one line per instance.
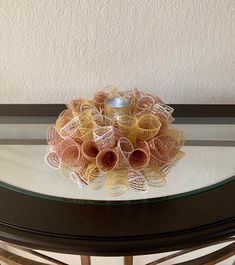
[110, 230]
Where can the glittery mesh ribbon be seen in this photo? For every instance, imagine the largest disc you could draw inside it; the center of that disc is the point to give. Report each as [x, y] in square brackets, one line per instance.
[128, 126]
[148, 126]
[95, 149]
[116, 182]
[137, 181]
[107, 159]
[104, 137]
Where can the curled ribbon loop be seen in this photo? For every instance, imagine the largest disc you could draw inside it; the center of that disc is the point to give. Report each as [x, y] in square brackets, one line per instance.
[137, 181]
[104, 137]
[147, 127]
[116, 182]
[107, 159]
[89, 150]
[128, 126]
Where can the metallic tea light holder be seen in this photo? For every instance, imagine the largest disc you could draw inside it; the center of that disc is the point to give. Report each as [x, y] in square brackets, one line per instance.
[116, 107]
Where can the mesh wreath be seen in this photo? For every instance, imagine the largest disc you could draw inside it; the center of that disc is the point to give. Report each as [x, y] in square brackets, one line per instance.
[117, 152]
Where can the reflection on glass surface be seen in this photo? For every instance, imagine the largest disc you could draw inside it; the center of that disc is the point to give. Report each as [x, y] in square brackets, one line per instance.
[209, 159]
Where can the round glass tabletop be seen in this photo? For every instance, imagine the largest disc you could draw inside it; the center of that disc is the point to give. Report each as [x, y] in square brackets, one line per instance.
[209, 162]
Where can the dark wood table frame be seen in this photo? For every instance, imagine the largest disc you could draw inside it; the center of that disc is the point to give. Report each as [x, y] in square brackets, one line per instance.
[104, 228]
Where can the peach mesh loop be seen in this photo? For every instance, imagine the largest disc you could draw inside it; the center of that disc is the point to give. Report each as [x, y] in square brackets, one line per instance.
[138, 114]
[104, 137]
[64, 117]
[168, 166]
[164, 124]
[137, 181]
[89, 150]
[169, 147]
[61, 146]
[75, 105]
[148, 126]
[145, 103]
[53, 137]
[177, 135]
[124, 147]
[158, 155]
[111, 90]
[88, 106]
[102, 120]
[52, 160]
[143, 145]
[138, 159]
[70, 129]
[159, 109]
[107, 159]
[154, 175]
[128, 125]
[71, 155]
[116, 182]
[99, 99]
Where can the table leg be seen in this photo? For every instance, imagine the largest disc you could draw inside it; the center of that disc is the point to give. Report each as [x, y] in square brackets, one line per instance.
[85, 260]
[128, 260]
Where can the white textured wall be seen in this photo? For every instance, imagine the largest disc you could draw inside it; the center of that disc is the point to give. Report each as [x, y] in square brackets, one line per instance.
[53, 50]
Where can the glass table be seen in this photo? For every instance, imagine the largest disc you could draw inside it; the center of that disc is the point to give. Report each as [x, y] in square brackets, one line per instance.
[42, 209]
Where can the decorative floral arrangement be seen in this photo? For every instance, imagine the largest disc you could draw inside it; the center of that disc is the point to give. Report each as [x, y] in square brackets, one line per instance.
[118, 140]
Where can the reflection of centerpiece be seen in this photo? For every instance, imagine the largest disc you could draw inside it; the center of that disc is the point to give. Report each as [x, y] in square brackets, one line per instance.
[118, 140]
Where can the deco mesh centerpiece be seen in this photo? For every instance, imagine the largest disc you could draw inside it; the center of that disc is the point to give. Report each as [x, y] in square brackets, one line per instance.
[118, 141]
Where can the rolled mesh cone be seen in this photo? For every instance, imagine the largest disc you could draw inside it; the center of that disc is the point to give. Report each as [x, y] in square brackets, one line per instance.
[154, 175]
[71, 156]
[89, 150]
[102, 120]
[116, 182]
[124, 147]
[158, 155]
[110, 90]
[91, 172]
[145, 103]
[107, 159]
[159, 109]
[99, 99]
[79, 177]
[52, 160]
[53, 137]
[169, 147]
[104, 137]
[168, 166]
[128, 126]
[70, 129]
[148, 126]
[88, 107]
[62, 145]
[164, 124]
[177, 135]
[75, 105]
[138, 159]
[137, 181]
[64, 117]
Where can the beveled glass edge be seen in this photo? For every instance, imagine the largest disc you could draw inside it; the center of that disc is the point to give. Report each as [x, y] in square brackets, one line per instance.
[121, 202]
